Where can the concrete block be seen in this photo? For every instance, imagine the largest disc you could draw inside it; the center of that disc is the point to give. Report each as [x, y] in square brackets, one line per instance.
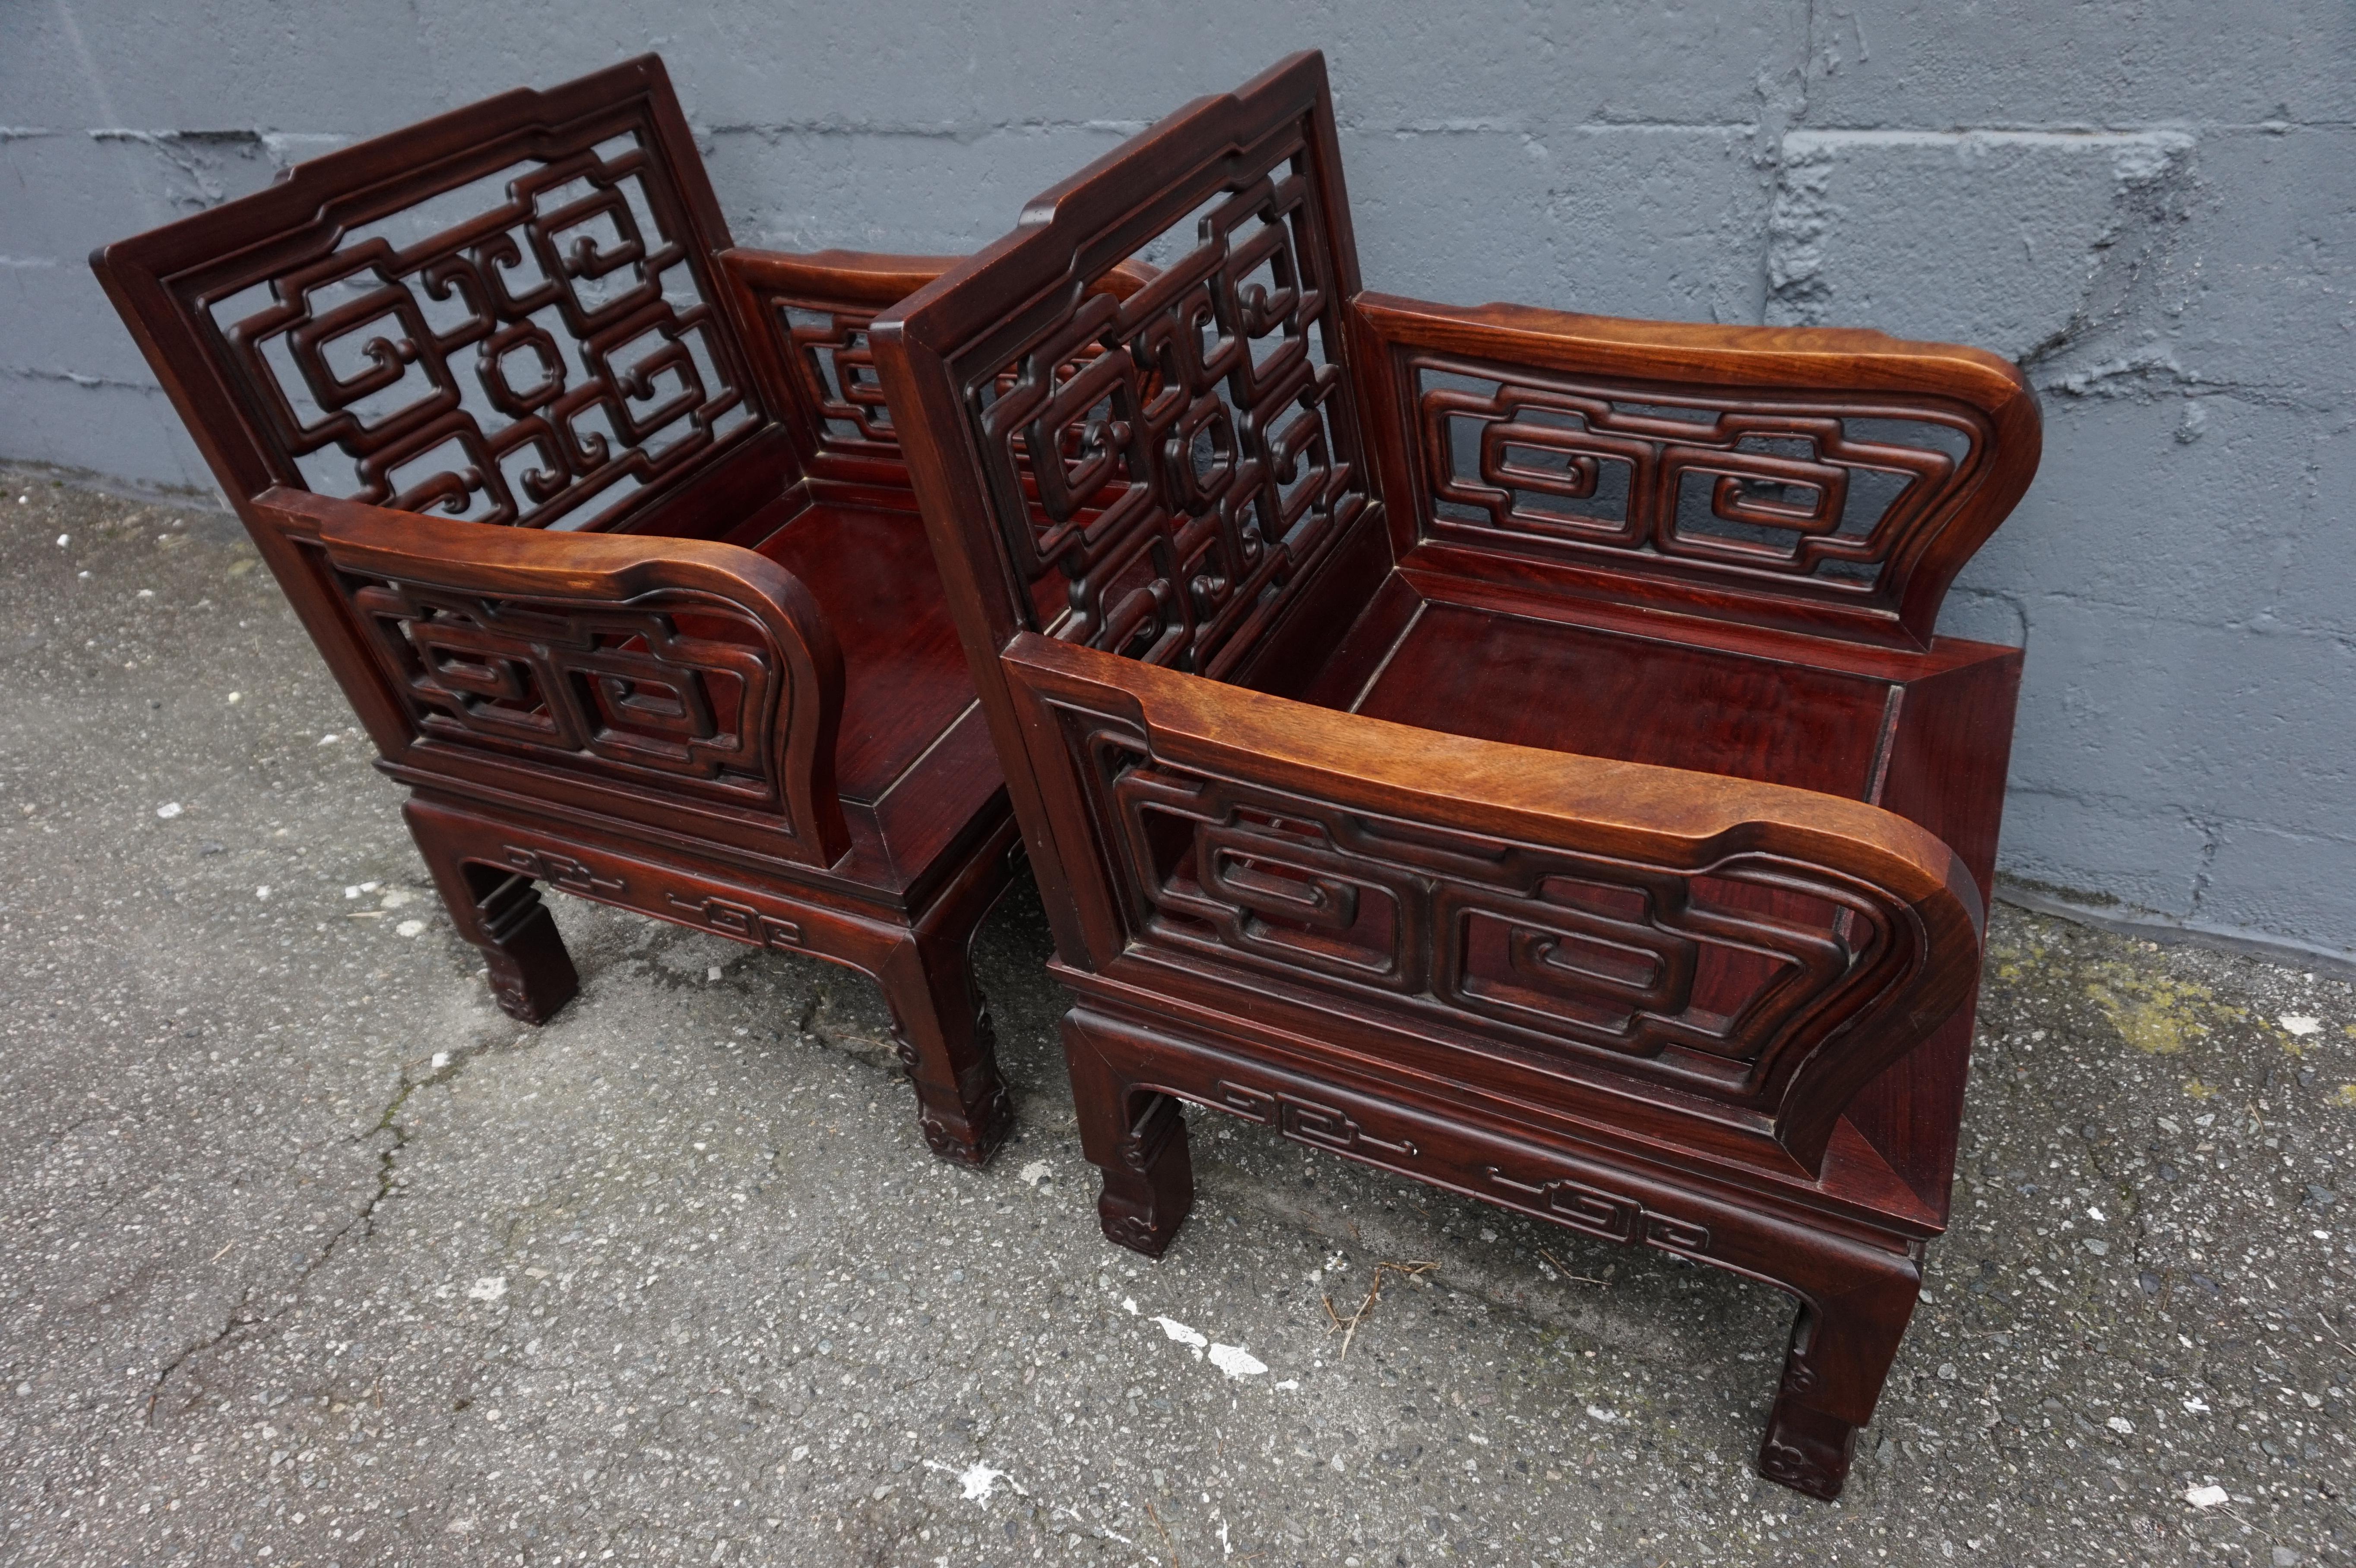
[74, 190]
[124, 431]
[2258, 294]
[2219, 722]
[2263, 879]
[2111, 62]
[805, 190]
[2318, 591]
[61, 322]
[1998, 238]
[2136, 510]
[2147, 857]
[216, 65]
[1657, 222]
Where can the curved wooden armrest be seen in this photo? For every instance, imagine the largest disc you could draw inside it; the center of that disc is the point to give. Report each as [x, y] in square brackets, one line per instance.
[592, 590]
[1823, 358]
[1910, 917]
[868, 280]
[865, 280]
[1575, 385]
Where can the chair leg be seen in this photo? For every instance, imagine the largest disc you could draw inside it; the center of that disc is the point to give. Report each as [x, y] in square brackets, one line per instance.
[499, 912]
[1138, 1140]
[941, 1027]
[1842, 1345]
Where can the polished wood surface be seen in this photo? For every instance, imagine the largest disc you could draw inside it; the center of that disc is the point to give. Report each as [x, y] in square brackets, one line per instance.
[1502, 746]
[601, 525]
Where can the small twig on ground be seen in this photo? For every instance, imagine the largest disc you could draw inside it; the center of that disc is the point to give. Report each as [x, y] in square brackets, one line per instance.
[2335, 1338]
[1165, 1534]
[1580, 1278]
[1350, 1328]
[223, 1253]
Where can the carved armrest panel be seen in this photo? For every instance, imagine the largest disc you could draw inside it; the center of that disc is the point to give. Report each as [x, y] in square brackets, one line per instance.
[812, 311]
[1758, 948]
[1830, 478]
[682, 670]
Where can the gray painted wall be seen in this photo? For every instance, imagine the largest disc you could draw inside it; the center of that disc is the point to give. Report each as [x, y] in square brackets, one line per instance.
[2150, 203]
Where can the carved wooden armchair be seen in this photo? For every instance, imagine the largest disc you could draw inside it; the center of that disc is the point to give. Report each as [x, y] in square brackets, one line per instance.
[1504, 747]
[704, 671]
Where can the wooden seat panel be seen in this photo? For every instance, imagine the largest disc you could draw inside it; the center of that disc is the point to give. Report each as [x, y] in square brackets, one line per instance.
[904, 678]
[1464, 671]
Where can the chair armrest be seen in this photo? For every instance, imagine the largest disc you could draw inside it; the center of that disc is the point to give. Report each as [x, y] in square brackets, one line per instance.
[1582, 373]
[855, 280]
[647, 661]
[1891, 948]
[869, 280]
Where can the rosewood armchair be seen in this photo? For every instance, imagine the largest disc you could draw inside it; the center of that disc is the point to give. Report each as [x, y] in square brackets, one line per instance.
[603, 527]
[1504, 747]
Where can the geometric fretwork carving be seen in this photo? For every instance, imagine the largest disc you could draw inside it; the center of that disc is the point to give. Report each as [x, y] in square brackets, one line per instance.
[1769, 490]
[1610, 1216]
[1717, 978]
[532, 347]
[1165, 468]
[836, 373]
[621, 690]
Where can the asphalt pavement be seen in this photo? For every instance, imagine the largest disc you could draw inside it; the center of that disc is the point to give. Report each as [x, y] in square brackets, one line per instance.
[309, 1255]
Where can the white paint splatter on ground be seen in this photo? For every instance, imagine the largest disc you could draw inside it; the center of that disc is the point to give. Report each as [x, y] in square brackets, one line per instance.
[2298, 1025]
[1184, 1335]
[1237, 1361]
[978, 1479]
[490, 1287]
[2206, 1496]
[1035, 1174]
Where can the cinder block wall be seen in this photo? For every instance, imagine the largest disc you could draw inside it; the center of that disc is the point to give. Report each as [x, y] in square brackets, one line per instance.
[2151, 204]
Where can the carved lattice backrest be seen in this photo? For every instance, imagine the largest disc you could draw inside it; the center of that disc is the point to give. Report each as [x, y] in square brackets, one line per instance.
[1161, 474]
[508, 313]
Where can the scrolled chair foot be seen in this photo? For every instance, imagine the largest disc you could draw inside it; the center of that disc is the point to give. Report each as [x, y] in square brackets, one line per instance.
[1807, 1450]
[1149, 1184]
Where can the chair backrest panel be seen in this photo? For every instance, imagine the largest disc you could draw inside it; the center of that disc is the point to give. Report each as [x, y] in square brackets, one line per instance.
[508, 313]
[1162, 475]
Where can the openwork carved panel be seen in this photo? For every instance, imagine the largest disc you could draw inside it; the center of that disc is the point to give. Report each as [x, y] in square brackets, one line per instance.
[1165, 468]
[1717, 979]
[624, 690]
[533, 346]
[1776, 491]
[836, 372]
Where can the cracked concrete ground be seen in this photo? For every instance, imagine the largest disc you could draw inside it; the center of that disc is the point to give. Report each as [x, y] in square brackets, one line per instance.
[309, 1255]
